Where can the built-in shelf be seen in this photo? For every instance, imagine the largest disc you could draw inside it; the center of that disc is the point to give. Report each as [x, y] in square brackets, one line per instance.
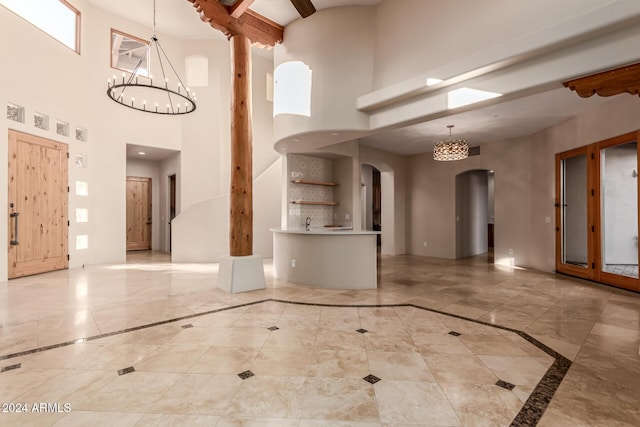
[306, 181]
[312, 202]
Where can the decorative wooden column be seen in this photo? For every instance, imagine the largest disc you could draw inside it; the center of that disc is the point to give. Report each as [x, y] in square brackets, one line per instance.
[241, 202]
[240, 271]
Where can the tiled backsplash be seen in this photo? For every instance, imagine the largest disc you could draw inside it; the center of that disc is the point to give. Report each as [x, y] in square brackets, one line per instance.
[312, 169]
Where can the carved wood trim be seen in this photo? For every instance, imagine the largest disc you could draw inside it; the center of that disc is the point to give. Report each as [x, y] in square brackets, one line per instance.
[608, 83]
[258, 29]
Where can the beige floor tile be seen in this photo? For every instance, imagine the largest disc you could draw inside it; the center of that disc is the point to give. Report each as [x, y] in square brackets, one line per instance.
[514, 369]
[134, 392]
[175, 420]
[400, 341]
[242, 337]
[267, 397]
[291, 362]
[450, 368]
[291, 338]
[399, 366]
[171, 358]
[491, 345]
[482, 405]
[198, 394]
[225, 360]
[339, 364]
[340, 399]
[98, 419]
[439, 343]
[336, 340]
[414, 403]
[256, 422]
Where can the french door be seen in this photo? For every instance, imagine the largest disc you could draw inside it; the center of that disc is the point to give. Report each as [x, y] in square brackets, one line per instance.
[597, 212]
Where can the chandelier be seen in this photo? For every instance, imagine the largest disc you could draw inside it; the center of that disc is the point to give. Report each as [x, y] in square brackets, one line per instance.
[167, 96]
[451, 149]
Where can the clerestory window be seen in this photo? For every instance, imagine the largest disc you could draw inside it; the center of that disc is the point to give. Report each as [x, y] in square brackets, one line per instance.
[58, 18]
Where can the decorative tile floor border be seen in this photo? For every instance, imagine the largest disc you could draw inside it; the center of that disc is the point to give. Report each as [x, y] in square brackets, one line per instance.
[529, 415]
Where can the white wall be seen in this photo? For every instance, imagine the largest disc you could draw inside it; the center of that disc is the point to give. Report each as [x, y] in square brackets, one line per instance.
[437, 34]
[49, 78]
[337, 44]
[524, 187]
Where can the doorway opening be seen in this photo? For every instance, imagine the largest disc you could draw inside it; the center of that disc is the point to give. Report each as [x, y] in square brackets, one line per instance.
[372, 201]
[475, 207]
[597, 212]
[172, 204]
[138, 213]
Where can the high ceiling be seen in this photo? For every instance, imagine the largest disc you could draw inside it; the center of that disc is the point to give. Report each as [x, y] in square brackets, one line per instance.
[497, 122]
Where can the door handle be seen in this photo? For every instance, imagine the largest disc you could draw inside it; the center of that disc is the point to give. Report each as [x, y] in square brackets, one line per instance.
[15, 241]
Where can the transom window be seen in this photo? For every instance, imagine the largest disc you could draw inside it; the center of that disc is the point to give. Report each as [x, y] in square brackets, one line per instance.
[128, 51]
[58, 18]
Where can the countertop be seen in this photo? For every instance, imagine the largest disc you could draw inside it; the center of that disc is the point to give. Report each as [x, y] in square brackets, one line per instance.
[324, 231]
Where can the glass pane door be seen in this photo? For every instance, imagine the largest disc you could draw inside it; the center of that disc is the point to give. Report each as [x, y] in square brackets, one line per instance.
[619, 209]
[573, 227]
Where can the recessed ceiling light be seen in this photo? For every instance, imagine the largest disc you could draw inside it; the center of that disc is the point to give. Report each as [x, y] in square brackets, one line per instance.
[335, 133]
[142, 153]
[432, 81]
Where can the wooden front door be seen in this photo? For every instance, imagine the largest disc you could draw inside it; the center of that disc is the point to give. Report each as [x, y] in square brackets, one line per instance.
[138, 213]
[38, 192]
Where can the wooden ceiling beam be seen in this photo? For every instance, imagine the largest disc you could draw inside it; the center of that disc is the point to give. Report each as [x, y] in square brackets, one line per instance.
[239, 8]
[258, 29]
[608, 83]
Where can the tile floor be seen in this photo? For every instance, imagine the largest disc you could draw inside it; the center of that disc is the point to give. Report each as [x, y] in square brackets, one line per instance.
[154, 343]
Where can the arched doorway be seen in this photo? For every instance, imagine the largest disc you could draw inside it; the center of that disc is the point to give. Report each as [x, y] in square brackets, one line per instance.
[474, 213]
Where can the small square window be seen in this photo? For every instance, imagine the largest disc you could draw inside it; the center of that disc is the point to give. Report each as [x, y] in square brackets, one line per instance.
[41, 121]
[62, 128]
[15, 113]
[81, 161]
[82, 215]
[82, 188]
[82, 242]
[81, 134]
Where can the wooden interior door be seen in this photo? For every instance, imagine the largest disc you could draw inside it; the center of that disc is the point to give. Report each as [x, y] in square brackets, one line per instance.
[38, 193]
[138, 213]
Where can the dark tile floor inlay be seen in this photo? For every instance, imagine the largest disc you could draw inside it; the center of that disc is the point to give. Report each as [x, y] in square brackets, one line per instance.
[273, 328]
[362, 331]
[10, 367]
[455, 334]
[505, 385]
[529, 415]
[187, 326]
[126, 370]
[371, 379]
[246, 374]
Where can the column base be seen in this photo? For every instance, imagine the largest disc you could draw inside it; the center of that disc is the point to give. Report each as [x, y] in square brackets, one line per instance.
[241, 273]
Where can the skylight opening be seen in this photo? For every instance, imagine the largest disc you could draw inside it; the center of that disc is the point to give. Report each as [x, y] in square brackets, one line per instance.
[57, 18]
[467, 96]
[292, 89]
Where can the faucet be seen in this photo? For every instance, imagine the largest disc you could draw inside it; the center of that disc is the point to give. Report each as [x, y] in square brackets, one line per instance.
[307, 223]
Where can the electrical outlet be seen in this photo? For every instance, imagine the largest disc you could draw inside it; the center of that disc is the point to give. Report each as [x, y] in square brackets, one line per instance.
[547, 220]
[347, 217]
[510, 251]
[293, 263]
[424, 244]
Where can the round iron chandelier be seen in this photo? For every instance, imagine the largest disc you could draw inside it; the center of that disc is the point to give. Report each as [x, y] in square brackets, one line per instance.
[153, 95]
